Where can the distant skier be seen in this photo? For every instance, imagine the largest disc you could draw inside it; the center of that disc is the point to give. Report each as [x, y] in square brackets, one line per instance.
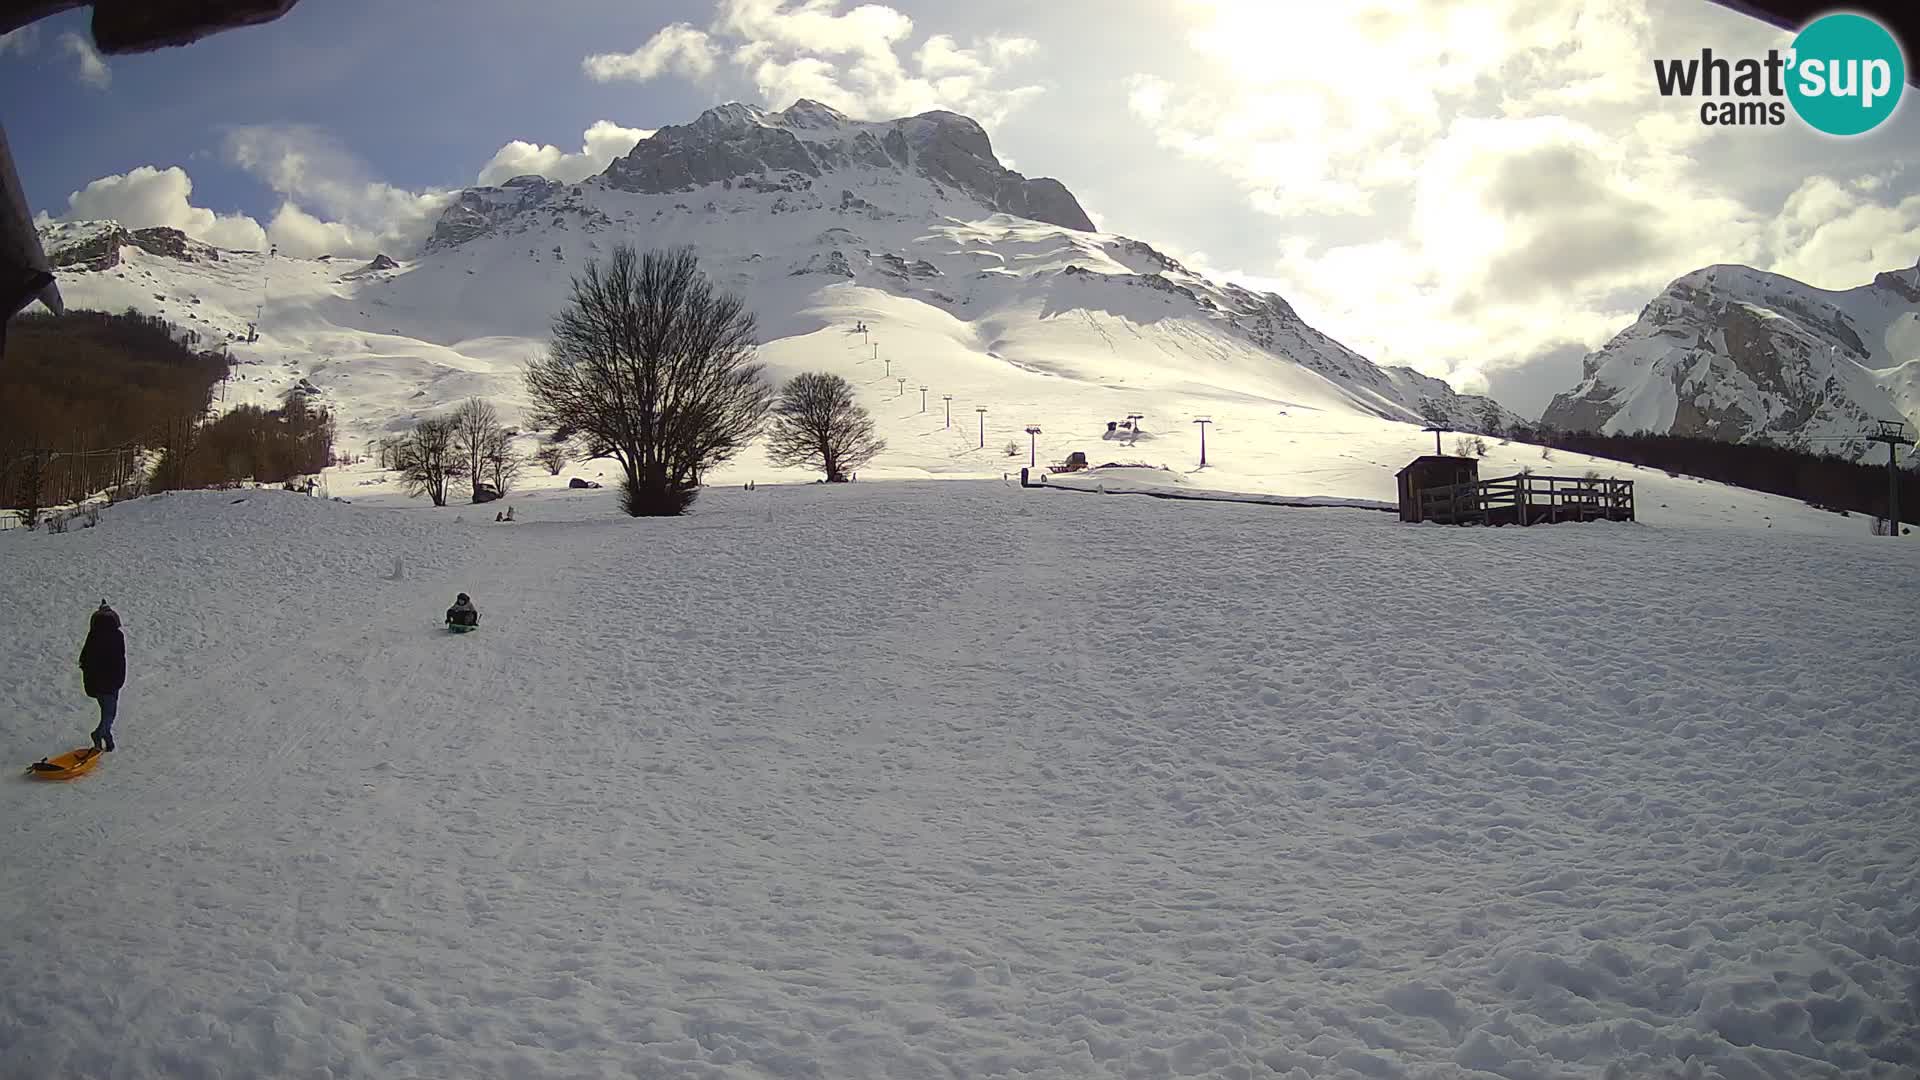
[103, 670]
[462, 613]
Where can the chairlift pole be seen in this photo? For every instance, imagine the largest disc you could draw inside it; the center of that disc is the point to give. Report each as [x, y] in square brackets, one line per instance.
[982, 410]
[923, 399]
[1033, 446]
[1203, 422]
[948, 398]
[1894, 434]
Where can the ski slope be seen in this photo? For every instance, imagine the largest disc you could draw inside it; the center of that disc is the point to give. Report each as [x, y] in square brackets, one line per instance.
[1278, 428]
[386, 348]
[941, 779]
[1038, 323]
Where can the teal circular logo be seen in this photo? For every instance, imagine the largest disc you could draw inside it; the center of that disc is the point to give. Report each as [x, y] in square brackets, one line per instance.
[1846, 74]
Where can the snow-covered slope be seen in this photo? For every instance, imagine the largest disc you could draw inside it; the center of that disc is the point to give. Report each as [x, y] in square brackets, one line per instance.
[913, 780]
[973, 281]
[1733, 353]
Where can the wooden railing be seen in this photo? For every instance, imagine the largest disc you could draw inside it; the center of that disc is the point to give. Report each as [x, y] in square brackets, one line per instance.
[1529, 499]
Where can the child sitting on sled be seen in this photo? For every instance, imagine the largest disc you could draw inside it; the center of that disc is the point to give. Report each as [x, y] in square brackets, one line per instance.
[462, 614]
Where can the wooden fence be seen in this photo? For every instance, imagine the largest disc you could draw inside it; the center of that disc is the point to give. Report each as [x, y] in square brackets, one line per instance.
[1529, 499]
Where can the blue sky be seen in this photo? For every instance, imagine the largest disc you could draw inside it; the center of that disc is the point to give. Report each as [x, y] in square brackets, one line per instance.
[1480, 189]
[425, 93]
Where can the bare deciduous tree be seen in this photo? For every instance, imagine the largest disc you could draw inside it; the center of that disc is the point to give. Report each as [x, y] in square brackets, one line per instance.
[32, 487]
[818, 425]
[177, 439]
[427, 459]
[554, 456]
[482, 445]
[650, 366]
[503, 462]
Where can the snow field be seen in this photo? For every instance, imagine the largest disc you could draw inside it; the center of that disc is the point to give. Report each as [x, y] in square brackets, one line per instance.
[1278, 428]
[937, 779]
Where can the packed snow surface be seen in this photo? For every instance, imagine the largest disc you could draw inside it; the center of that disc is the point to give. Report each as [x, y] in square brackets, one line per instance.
[958, 779]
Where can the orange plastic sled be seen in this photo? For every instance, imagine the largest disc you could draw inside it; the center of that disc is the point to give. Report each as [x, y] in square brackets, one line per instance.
[65, 766]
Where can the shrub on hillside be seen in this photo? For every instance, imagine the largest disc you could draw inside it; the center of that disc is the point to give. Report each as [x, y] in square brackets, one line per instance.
[554, 456]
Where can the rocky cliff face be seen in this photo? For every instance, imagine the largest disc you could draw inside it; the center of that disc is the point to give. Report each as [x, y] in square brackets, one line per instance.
[1729, 352]
[96, 245]
[741, 144]
[515, 204]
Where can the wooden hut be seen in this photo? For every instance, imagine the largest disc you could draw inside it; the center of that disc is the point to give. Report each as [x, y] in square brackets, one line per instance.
[1432, 471]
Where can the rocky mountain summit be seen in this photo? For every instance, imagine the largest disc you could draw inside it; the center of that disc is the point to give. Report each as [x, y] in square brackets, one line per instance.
[913, 226]
[735, 142]
[1734, 353]
[95, 245]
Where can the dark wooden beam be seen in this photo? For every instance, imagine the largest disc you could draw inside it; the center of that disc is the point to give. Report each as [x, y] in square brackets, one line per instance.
[130, 26]
[1900, 16]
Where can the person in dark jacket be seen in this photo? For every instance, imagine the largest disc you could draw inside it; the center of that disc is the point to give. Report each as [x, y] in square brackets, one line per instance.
[463, 613]
[103, 669]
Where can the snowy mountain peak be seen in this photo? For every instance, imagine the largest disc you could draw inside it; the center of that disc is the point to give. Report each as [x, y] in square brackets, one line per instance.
[974, 279]
[1904, 284]
[733, 114]
[96, 245]
[808, 113]
[1735, 353]
[478, 211]
[735, 143]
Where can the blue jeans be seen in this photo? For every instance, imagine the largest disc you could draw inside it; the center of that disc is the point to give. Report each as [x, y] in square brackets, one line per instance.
[109, 708]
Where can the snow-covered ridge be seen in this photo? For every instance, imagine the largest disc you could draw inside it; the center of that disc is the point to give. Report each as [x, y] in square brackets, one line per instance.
[735, 142]
[1042, 322]
[96, 245]
[1735, 353]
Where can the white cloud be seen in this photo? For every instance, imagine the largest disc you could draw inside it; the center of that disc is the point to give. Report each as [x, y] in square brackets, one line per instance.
[679, 48]
[20, 42]
[329, 205]
[93, 69]
[1465, 188]
[146, 197]
[601, 143]
[941, 55]
[309, 168]
[301, 235]
[851, 59]
[1835, 235]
